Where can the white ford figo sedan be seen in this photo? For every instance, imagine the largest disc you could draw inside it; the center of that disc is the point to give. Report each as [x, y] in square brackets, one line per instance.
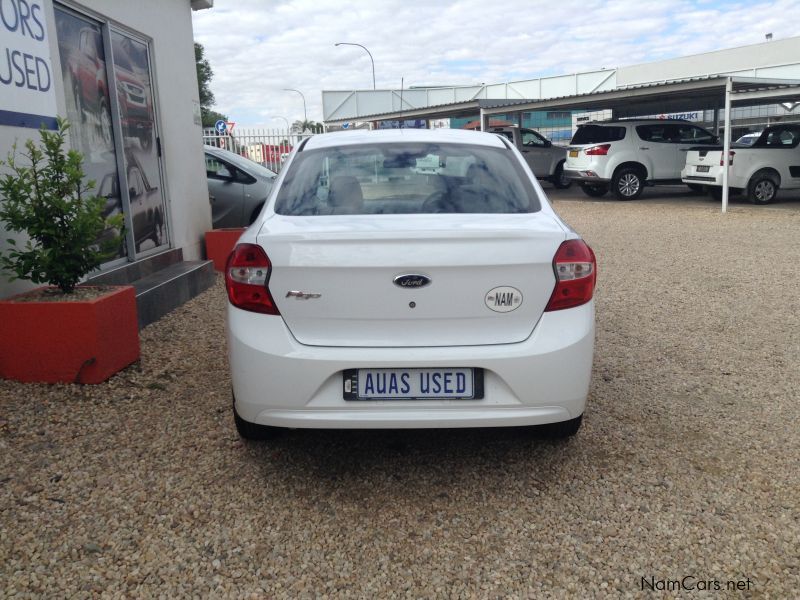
[409, 279]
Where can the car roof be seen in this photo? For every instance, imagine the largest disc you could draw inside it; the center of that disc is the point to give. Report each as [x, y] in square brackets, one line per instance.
[392, 136]
[636, 121]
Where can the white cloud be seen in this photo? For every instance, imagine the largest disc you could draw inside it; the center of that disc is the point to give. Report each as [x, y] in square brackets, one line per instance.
[256, 48]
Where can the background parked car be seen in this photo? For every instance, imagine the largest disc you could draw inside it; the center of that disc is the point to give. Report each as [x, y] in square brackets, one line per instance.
[544, 159]
[748, 139]
[237, 187]
[772, 162]
[625, 156]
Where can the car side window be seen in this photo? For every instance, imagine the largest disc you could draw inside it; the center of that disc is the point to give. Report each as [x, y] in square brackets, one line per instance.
[690, 134]
[216, 169]
[654, 133]
[531, 138]
[781, 138]
[505, 134]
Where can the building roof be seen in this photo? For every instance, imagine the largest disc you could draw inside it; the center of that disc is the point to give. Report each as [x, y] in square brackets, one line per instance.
[696, 93]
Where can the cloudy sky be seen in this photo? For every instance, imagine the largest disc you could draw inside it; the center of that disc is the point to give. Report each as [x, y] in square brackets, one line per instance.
[258, 47]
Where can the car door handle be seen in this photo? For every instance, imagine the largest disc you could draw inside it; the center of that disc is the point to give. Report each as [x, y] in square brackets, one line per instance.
[644, 147]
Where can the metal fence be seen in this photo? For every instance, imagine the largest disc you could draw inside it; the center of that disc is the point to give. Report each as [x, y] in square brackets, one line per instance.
[268, 147]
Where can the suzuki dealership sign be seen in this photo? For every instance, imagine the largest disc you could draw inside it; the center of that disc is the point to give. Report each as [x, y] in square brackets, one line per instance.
[27, 94]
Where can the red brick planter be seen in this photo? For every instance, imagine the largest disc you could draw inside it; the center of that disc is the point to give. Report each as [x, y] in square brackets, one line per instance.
[82, 341]
[220, 243]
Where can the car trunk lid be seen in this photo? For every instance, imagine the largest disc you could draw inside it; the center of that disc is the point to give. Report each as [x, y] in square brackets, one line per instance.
[490, 277]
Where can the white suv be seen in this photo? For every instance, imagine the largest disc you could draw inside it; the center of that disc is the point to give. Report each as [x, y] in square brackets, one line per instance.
[625, 156]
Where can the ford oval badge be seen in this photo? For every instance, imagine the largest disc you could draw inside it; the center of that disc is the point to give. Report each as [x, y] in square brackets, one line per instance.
[412, 280]
[503, 299]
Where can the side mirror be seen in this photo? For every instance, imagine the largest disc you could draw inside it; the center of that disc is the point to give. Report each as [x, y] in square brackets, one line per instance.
[224, 173]
[547, 143]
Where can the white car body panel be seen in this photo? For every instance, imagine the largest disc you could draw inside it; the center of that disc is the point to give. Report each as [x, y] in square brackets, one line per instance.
[465, 257]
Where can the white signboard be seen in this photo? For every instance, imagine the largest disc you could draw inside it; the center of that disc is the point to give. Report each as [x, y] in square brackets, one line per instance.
[27, 88]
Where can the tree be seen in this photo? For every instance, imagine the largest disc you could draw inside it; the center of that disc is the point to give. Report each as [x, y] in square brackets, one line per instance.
[204, 75]
[301, 126]
[48, 200]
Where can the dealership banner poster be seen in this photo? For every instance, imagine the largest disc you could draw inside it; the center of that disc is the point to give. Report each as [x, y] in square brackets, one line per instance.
[27, 95]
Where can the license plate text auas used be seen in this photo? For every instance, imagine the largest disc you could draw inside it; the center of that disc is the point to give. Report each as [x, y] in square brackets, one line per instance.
[378, 384]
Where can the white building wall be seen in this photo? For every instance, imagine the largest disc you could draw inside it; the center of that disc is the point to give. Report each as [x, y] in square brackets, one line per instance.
[777, 58]
[169, 24]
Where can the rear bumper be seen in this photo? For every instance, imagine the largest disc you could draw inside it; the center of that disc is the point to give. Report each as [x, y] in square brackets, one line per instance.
[712, 178]
[279, 382]
[587, 176]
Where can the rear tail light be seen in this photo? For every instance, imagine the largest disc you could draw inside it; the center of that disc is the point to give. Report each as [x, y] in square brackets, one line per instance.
[600, 150]
[730, 158]
[576, 273]
[246, 278]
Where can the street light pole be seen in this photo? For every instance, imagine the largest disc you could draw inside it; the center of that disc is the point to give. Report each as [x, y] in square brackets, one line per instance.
[305, 114]
[367, 51]
[285, 120]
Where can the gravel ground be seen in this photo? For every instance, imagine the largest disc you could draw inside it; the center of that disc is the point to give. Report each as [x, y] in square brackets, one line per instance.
[687, 464]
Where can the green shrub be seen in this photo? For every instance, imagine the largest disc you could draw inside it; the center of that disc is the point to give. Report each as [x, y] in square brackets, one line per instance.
[47, 199]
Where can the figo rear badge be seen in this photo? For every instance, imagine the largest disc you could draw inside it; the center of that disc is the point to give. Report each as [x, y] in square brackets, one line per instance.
[503, 299]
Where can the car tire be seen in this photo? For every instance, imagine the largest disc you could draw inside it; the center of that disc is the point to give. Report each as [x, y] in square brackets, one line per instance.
[595, 190]
[628, 183]
[558, 180]
[252, 432]
[696, 188]
[762, 188]
[561, 430]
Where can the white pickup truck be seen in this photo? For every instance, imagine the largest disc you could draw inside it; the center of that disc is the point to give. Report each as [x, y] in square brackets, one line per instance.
[772, 162]
[544, 159]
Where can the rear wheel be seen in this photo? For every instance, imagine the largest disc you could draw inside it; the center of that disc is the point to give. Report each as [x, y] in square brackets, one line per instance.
[251, 431]
[628, 183]
[561, 430]
[762, 188]
[559, 179]
[595, 190]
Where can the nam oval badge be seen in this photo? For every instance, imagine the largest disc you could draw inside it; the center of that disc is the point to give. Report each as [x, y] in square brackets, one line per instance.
[503, 299]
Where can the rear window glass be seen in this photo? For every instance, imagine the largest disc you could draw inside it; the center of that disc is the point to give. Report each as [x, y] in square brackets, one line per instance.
[405, 179]
[597, 134]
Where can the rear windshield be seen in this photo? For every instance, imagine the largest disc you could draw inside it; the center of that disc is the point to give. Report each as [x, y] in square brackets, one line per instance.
[405, 178]
[597, 134]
